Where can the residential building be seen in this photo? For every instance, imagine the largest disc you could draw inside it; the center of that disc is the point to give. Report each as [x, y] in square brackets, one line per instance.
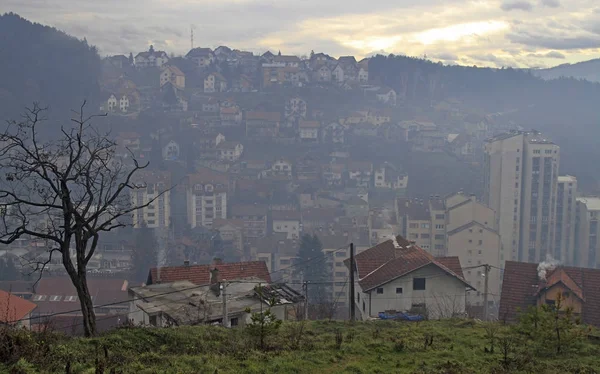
[363, 77]
[167, 304]
[566, 207]
[322, 74]
[414, 220]
[230, 151]
[171, 150]
[58, 304]
[206, 192]
[172, 74]
[334, 133]
[203, 57]
[586, 244]
[398, 275]
[151, 58]
[281, 168]
[289, 61]
[309, 131]
[231, 232]
[262, 124]
[215, 82]
[332, 174]
[386, 95]
[153, 193]
[254, 218]
[390, 176]
[424, 136]
[230, 116]
[360, 173]
[15, 311]
[529, 284]
[287, 222]
[521, 176]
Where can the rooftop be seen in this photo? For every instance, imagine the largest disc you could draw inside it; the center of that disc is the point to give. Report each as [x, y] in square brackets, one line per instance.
[200, 274]
[591, 203]
[13, 308]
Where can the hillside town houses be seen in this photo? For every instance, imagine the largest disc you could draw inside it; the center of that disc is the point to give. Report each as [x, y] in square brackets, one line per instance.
[248, 153]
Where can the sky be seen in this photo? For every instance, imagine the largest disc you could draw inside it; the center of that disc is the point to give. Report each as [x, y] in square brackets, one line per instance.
[495, 33]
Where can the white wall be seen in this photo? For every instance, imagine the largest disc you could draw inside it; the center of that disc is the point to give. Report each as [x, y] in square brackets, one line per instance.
[443, 295]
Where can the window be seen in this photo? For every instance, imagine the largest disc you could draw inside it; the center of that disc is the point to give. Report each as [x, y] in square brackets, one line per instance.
[424, 236]
[418, 284]
[380, 290]
[398, 290]
[439, 237]
[481, 242]
[364, 307]
[340, 254]
[39, 298]
[424, 225]
[439, 246]
[340, 273]
[152, 321]
[439, 227]
[339, 263]
[414, 226]
[479, 251]
[71, 298]
[440, 216]
[233, 322]
[55, 298]
[358, 296]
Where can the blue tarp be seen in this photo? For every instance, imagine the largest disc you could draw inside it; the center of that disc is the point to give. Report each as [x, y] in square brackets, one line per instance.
[401, 316]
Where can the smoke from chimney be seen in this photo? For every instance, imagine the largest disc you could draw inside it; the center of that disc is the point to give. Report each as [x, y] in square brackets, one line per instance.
[547, 266]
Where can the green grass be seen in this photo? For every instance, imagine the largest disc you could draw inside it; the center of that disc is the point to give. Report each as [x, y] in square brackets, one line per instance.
[367, 347]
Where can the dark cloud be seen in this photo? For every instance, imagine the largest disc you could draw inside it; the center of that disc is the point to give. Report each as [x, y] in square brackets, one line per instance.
[551, 54]
[551, 3]
[507, 6]
[554, 41]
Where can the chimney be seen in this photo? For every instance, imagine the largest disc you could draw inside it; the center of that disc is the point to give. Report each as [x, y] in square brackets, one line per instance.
[473, 197]
[214, 276]
[186, 262]
[217, 261]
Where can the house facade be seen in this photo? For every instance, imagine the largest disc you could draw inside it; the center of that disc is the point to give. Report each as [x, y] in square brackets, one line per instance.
[397, 275]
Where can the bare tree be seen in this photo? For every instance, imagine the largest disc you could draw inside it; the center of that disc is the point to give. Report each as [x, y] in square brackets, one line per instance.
[65, 190]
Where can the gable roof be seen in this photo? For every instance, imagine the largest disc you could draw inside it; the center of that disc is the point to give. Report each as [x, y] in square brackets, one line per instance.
[521, 285]
[469, 225]
[175, 70]
[199, 52]
[200, 274]
[393, 259]
[14, 308]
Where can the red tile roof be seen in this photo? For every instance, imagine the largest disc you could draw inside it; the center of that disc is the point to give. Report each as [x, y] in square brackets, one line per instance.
[521, 285]
[200, 274]
[14, 308]
[386, 261]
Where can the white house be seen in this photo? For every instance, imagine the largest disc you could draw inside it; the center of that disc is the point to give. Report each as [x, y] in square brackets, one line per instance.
[363, 75]
[282, 167]
[215, 82]
[151, 58]
[287, 222]
[124, 103]
[387, 96]
[230, 151]
[309, 131]
[398, 275]
[203, 57]
[171, 151]
[174, 75]
[112, 103]
[338, 74]
[388, 176]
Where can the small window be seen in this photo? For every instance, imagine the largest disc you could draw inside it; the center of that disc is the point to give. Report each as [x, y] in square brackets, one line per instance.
[71, 298]
[380, 290]
[233, 322]
[398, 290]
[364, 307]
[358, 296]
[39, 298]
[418, 284]
[55, 298]
[481, 242]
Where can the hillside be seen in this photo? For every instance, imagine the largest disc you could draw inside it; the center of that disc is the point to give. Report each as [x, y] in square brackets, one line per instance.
[43, 64]
[588, 70]
[453, 346]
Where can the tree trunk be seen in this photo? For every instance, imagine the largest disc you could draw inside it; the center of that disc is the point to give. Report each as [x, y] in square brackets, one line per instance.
[87, 306]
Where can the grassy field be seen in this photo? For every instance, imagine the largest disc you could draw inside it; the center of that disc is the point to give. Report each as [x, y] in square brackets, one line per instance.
[453, 346]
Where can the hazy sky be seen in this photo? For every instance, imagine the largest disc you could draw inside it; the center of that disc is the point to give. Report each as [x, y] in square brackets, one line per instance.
[521, 33]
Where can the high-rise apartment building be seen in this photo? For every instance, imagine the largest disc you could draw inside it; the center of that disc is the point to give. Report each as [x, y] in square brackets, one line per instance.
[521, 177]
[586, 245]
[153, 192]
[206, 193]
[564, 234]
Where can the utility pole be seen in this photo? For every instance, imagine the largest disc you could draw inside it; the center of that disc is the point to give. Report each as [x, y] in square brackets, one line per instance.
[352, 306]
[305, 300]
[225, 311]
[485, 291]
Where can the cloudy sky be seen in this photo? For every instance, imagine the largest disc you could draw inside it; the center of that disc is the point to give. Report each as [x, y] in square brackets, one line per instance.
[522, 33]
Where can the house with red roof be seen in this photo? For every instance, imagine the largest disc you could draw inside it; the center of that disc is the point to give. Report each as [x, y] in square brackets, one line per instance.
[531, 284]
[15, 311]
[399, 276]
[205, 274]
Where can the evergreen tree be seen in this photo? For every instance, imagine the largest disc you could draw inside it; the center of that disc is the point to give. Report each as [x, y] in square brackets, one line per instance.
[313, 267]
[145, 253]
